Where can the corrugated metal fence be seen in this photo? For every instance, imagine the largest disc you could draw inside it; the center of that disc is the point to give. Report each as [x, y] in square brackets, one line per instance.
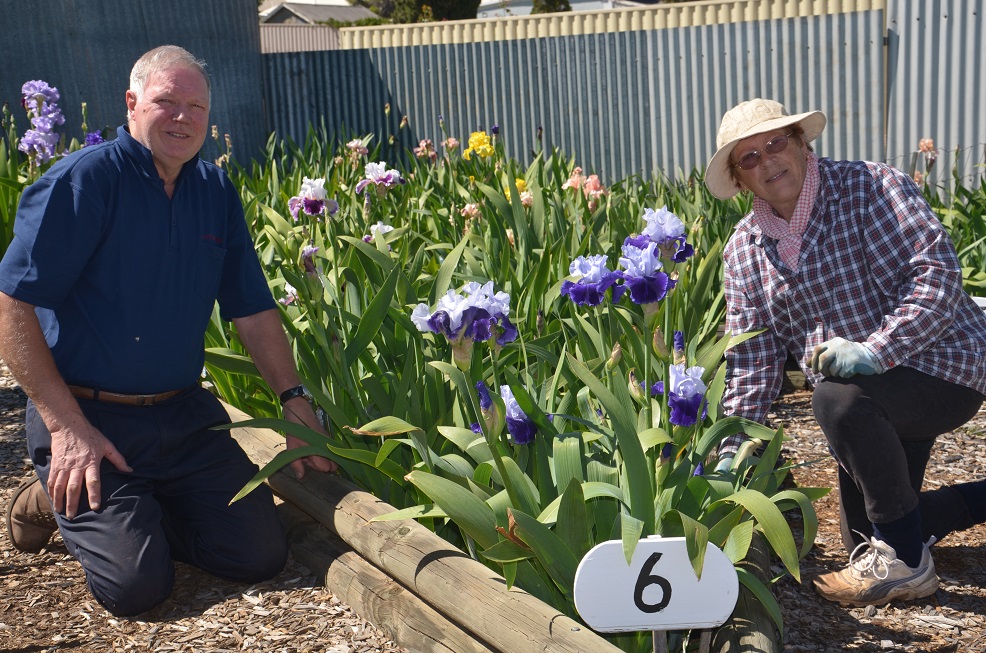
[635, 91]
[937, 64]
[86, 50]
[629, 91]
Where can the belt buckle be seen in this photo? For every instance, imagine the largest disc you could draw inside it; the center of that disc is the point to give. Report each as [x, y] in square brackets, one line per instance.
[144, 400]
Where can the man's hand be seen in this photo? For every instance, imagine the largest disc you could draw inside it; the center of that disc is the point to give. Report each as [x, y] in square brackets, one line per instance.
[76, 453]
[843, 358]
[300, 411]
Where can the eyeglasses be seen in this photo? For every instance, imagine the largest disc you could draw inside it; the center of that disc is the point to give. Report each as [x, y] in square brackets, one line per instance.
[775, 145]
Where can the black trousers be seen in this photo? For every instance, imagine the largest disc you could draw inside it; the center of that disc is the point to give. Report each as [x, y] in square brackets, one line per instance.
[173, 506]
[881, 429]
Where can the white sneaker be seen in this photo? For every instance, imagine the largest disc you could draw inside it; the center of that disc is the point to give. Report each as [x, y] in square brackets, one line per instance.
[875, 576]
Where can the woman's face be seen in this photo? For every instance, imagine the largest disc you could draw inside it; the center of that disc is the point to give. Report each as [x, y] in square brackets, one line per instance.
[778, 177]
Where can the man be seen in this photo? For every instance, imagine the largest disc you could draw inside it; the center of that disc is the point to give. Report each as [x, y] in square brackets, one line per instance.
[120, 252]
[843, 265]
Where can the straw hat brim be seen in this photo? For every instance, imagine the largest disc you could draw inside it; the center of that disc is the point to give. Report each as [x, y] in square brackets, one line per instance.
[717, 177]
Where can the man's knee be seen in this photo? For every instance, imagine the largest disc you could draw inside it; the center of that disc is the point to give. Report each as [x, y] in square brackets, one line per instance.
[257, 548]
[266, 563]
[244, 565]
[132, 590]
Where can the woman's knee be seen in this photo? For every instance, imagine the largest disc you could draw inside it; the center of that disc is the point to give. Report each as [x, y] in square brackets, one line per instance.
[838, 406]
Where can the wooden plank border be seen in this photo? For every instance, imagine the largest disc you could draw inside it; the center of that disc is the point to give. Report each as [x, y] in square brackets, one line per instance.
[462, 590]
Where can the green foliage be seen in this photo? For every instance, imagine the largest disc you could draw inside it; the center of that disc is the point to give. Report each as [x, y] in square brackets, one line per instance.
[414, 11]
[13, 177]
[607, 462]
[963, 213]
[382, 7]
[550, 6]
[362, 22]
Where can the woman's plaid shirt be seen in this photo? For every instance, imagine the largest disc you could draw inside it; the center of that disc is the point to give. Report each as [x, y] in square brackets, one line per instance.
[875, 267]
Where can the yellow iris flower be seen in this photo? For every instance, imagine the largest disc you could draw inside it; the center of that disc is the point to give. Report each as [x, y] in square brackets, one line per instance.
[479, 143]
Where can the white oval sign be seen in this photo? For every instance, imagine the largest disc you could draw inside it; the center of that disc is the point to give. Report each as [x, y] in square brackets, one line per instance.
[658, 590]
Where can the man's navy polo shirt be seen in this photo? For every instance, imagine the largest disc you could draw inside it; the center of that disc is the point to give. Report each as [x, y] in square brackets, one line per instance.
[124, 278]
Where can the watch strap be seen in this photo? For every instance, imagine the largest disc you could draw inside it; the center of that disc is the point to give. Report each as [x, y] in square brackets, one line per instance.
[292, 393]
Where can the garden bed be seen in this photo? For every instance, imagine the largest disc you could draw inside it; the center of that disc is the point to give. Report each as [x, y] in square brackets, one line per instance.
[295, 612]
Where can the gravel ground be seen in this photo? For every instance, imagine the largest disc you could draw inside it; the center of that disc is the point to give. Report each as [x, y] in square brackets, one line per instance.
[45, 605]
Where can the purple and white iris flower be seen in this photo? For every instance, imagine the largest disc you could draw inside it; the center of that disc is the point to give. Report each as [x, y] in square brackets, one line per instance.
[686, 395]
[593, 282]
[308, 260]
[378, 228]
[475, 314]
[290, 295]
[636, 387]
[520, 427]
[678, 342]
[312, 199]
[643, 274]
[381, 178]
[668, 231]
[493, 417]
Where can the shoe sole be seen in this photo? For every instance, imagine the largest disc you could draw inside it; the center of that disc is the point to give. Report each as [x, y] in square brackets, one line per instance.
[923, 590]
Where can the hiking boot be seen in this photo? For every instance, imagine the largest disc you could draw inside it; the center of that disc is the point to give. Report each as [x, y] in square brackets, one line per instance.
[875, 576]
[30, 520]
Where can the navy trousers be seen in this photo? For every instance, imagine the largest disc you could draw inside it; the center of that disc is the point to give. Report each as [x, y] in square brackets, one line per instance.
[173, 506]
[881, 430]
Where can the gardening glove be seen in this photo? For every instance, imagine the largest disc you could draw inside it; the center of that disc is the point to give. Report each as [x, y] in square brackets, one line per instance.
[725, 463]
[843, 358]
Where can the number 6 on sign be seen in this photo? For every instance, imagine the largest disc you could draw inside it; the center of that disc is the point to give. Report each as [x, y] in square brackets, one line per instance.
[658, 590]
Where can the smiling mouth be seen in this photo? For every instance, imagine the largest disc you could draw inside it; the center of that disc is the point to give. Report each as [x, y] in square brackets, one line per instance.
[777, 176]
[177, 135]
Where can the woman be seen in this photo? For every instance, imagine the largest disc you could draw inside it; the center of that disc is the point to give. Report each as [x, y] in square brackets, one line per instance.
[844, 265]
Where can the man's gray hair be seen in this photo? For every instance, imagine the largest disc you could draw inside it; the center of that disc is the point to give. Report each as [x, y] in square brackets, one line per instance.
[162, 58]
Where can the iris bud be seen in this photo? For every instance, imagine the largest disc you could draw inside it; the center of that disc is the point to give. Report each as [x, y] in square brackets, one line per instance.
[614, 357]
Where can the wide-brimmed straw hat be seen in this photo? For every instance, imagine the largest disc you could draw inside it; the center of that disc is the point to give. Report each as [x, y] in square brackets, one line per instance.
[747, 119]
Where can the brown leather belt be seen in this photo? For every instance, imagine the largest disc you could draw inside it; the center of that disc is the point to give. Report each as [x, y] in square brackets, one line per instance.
[116, 398]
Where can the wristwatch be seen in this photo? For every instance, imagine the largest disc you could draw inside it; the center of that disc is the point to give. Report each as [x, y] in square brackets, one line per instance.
[296, 391]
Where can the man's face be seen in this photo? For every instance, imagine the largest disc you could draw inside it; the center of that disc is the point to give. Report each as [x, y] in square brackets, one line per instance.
[777, 178]
[171, 118]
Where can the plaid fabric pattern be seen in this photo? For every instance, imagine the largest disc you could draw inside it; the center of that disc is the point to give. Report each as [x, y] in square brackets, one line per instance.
[876, 267]
[788, 234]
